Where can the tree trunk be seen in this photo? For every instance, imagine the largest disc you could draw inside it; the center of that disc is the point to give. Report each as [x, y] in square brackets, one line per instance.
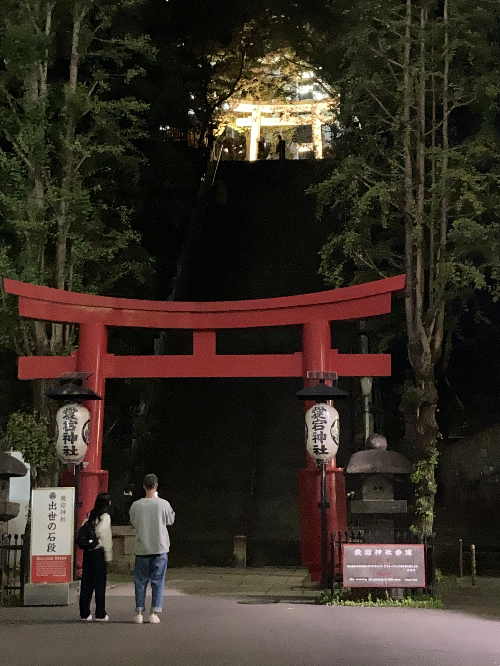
[422, 352]
[427, 436]
[68, 152]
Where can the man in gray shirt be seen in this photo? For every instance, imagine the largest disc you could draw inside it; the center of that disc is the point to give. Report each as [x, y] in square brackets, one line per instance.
[150, 516]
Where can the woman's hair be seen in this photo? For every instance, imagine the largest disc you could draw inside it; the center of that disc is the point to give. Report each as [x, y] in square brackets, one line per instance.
[102, 504]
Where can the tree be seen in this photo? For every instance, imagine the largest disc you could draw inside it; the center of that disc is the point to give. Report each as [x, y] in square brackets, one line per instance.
[219, 68]
[67, 141]
[415, 186]
[233, 50]
[29, 434]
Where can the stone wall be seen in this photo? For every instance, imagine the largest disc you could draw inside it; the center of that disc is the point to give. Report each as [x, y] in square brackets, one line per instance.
[123, 549]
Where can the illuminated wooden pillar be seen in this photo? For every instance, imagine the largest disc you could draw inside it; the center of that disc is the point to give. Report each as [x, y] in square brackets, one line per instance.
[255, 133]
[317, 136]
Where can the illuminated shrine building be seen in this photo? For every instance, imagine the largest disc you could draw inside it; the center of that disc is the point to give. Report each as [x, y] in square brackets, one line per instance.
[307, 107]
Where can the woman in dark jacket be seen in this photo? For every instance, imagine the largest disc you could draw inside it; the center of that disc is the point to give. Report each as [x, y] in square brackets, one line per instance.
[95, 562]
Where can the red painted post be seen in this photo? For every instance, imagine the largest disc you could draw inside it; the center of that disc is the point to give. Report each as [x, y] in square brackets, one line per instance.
[92, 349]
[316, 345]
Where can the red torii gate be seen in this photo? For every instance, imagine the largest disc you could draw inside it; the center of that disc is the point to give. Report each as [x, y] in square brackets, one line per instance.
[313, 311]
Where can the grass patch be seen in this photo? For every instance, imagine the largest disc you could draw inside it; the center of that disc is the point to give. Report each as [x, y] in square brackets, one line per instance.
[482, 599]
[344, 597]
[447, 582]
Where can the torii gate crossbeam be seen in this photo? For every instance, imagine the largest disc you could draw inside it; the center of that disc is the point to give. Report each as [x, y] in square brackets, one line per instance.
[314, 312]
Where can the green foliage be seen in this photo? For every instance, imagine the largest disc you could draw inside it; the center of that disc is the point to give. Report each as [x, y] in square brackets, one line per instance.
[343, 597]
[411, 397]
[423, 471]
[425, 489]
[368, 190]
[415, 182]
[218, 68]
[68, 133]
[29, 434]
[245, 55]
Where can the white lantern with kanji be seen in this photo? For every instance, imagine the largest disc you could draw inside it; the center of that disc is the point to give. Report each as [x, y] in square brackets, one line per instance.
[72, 433]
[322, 432]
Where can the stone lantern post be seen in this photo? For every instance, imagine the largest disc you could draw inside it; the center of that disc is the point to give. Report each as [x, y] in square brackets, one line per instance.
[377, 469]
[9, 467]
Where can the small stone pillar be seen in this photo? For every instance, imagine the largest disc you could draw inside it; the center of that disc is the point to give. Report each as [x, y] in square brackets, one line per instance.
[240, 551]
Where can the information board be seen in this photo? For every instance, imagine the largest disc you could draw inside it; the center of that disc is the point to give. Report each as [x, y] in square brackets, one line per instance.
[52, 534]
[383, 565]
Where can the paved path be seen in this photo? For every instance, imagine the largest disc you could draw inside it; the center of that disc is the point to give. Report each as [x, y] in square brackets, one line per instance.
[206, 627]
[280, 583]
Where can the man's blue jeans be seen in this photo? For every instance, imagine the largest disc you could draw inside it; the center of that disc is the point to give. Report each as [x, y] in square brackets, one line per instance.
[150, 568]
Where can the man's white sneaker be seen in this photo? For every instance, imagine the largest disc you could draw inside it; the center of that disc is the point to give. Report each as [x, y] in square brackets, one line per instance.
[154, 619]
[138, 618]
[102, 619]
[86, 619]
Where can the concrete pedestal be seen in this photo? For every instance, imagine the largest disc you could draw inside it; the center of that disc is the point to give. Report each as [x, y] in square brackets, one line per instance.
[50, 594]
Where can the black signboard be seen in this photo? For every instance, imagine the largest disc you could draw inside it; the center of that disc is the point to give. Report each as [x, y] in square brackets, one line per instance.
[383, 565]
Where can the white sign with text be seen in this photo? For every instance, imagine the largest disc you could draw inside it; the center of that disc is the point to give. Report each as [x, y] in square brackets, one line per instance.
[52, 534]
[383, 565]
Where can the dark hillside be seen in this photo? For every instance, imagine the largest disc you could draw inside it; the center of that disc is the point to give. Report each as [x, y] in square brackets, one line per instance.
[261, 237]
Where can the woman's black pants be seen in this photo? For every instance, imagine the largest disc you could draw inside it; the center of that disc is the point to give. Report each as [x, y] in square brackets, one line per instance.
[93, 579]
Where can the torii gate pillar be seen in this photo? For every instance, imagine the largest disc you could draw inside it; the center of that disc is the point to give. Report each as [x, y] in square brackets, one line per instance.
[92, 350]
[316, 344]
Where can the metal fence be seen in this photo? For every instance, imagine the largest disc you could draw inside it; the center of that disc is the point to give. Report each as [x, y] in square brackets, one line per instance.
[12, 567]
[359, 535]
